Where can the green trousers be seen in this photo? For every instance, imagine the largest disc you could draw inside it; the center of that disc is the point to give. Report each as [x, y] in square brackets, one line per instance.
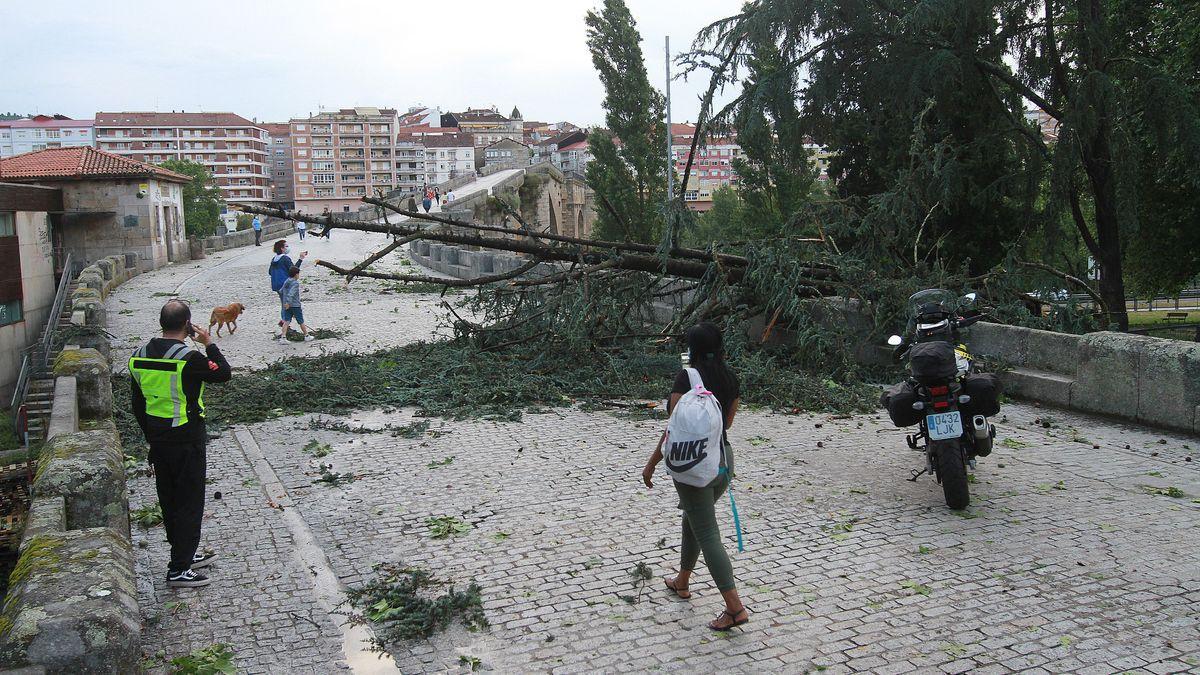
[701, 533]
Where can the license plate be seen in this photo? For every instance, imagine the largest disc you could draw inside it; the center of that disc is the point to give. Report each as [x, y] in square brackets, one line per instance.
[944, 425]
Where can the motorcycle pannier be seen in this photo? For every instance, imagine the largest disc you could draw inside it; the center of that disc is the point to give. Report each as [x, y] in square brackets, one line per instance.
[932, 362]
[898, 401]
[984, 390]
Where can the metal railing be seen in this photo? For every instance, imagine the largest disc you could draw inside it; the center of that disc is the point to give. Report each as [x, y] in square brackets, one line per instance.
[35, 359]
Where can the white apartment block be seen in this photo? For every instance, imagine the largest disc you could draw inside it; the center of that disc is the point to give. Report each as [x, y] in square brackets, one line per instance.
[233, 148]
[40, 132]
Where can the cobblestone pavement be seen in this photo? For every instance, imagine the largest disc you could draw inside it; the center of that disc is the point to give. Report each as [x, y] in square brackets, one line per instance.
[1072, 557]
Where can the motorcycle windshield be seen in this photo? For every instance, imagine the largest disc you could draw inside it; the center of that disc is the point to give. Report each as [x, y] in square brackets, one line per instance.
[922, 301]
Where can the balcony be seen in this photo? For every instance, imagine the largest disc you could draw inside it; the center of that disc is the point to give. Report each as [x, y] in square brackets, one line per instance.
[353, 178]
[381, 154]
[348, 154]
[350, 141]
[322, 129]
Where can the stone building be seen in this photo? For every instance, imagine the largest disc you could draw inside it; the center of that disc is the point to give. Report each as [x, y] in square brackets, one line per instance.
[110, 204]
[27, 272]
[505, 153]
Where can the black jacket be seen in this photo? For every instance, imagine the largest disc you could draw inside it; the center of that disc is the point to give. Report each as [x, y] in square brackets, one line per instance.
[200, 368]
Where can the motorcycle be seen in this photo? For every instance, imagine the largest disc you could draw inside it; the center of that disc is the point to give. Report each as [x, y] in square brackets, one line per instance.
[944, 395]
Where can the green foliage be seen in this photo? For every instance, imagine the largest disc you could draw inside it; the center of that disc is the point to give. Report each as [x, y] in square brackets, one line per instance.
[401, 602]
[212, 660]
[147, 516]
[316, 448]
[628, 171]
[727, 221]
[201, 198]
[441, 527]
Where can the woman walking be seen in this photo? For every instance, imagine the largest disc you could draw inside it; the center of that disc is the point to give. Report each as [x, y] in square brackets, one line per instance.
[279, 270]
[700, 530]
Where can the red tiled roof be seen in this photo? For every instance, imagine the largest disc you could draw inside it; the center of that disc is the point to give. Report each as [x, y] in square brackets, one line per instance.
[579, 145]
[181, 119]
[79, 164]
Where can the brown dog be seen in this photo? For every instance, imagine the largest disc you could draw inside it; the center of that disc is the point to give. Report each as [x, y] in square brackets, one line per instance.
[226, 316]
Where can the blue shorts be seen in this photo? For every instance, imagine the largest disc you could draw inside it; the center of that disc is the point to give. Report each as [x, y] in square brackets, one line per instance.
[292, 313]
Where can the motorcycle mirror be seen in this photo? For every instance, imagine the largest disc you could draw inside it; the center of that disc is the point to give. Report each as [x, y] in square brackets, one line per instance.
[895, 341]
[970, 297]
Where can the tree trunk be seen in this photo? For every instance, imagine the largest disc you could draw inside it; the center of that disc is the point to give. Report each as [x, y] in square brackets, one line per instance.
[1098, 162]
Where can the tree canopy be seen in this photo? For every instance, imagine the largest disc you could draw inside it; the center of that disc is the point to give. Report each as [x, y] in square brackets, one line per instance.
[934, 158]
[628, 170]
[201, 198]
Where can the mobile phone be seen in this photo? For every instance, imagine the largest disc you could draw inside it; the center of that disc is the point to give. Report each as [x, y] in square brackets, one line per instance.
[191, 330]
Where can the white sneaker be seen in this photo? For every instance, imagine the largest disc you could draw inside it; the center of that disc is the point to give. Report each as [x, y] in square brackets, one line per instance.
[309, 338]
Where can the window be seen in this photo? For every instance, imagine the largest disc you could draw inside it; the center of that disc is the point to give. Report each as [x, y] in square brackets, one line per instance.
[7, 224]
[322, 178]
[303, 153]
[304, 165]
[301, 140]
[299, 127]
[10, 312]
[303, 190]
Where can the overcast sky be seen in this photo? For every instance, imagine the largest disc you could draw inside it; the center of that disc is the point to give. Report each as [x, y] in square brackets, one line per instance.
[276, 60]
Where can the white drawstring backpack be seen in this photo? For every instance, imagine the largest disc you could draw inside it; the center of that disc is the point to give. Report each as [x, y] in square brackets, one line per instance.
[693, 449]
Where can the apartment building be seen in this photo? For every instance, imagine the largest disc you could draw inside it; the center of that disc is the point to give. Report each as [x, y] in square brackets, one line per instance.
[340, 157]
[448, 156]
[410, 163]
[712, 166]
[279, 163]
[39, 132]
[486, 125]
[233, 148]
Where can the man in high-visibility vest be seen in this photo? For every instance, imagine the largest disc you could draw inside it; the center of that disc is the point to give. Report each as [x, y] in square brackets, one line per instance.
[167, 378]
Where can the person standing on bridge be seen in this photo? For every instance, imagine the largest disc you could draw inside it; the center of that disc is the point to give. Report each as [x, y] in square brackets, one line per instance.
[257, 225]
[427, 202]
[167, 379]
[700, 530]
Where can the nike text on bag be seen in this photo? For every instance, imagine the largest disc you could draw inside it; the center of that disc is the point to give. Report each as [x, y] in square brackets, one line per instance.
[692, 451]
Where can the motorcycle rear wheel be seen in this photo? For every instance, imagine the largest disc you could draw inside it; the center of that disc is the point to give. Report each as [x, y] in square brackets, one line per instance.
[952, 472]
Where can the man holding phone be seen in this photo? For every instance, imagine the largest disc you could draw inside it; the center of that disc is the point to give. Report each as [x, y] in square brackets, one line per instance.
[167, 378]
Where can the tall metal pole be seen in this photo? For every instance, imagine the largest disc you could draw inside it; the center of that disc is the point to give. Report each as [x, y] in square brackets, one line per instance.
[670, 164]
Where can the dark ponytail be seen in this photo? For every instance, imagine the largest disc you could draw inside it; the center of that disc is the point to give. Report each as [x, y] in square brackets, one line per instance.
[708, 358]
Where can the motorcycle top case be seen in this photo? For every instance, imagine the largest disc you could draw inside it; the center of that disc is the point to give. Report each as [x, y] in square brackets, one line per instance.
[984, 390]
[932, 362]
[898, 401]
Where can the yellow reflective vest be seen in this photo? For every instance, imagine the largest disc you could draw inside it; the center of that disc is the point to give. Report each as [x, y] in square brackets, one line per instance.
[161, 382]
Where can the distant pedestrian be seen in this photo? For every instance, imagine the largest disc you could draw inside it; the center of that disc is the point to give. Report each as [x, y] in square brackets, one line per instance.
[290, 296]
[427, 203]
[167, 397]
[412, 204]
[257, 225]
[280, 264]
[437, 194]
[709, 376]
[450, 197]
[301, 227]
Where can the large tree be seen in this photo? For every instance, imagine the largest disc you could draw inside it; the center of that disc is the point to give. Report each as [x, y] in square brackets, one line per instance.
[628, 170]
[926, 115]
[201, 198]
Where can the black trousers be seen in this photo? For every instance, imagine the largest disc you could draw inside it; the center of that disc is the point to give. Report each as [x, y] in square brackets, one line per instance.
[258, 237]
[179, 472]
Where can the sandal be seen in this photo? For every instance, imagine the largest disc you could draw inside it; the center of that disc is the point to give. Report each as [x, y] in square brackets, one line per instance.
[682, 595]
[731, 615]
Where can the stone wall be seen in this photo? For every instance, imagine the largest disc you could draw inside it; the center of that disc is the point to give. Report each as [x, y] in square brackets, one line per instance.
[1135, 377]
[272, 229]
[464, 264]
[72, 600]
